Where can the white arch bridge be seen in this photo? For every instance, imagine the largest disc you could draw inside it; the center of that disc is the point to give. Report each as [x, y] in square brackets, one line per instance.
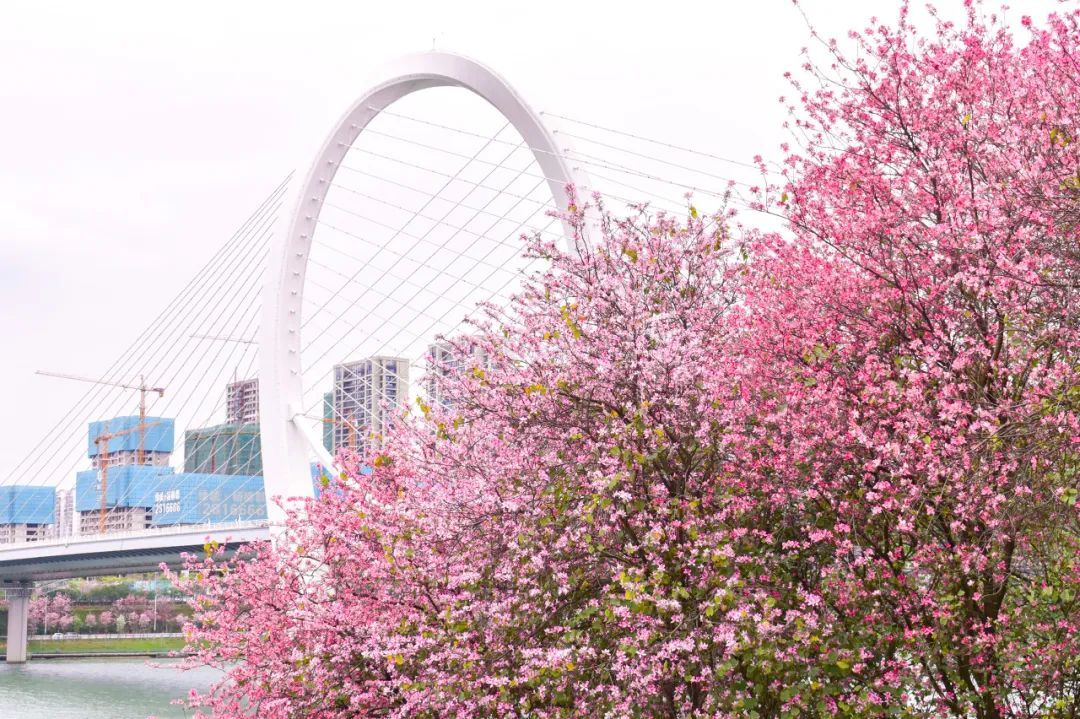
[303, 337]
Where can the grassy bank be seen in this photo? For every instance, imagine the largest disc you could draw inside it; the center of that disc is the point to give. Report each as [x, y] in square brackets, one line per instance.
[85, 645]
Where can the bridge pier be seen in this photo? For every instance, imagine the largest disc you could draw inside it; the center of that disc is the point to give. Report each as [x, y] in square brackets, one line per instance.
[18, 598]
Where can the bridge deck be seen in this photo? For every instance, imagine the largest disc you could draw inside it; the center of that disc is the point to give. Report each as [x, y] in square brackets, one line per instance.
[142, 551]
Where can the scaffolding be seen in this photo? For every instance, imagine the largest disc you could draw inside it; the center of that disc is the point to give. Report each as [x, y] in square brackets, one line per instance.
[223, 449]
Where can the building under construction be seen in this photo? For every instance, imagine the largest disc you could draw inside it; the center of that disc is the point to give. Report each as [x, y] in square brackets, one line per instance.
[142, 497]
[124, 495]
[26, 513]
[124, 509]
[223, 449]
[120, 441]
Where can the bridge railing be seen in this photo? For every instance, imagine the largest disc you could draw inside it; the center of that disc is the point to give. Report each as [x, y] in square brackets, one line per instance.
[139, 533]
[126, 635]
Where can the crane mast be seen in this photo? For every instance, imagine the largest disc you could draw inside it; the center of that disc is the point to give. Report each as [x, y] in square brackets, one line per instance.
[102, 442]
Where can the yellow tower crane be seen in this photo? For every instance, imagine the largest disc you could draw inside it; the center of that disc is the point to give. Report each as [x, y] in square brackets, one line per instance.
[142, 389]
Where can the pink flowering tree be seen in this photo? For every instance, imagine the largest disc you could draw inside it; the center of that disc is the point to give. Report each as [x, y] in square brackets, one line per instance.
[826, 473]
[923, 322]
[581, 531]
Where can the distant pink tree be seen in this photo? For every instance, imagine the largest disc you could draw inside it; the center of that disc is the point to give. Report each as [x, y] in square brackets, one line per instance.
[38, 612]
[59, 613]
[106, 619]
[90, 620]
[169, 615]
[48, 613]
[132, 608]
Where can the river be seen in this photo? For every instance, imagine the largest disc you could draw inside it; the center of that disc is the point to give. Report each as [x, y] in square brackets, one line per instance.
[95, 689]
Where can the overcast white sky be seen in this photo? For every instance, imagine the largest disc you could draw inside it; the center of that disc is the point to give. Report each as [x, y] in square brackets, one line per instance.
[135, 136]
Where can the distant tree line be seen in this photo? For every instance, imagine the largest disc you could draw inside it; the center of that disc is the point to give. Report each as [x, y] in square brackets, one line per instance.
[58, 612]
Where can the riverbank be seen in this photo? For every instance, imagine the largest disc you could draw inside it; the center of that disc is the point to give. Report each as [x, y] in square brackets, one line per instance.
[102, 647]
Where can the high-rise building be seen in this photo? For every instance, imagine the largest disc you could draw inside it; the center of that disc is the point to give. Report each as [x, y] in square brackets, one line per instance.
[366, 394]
[444, 361]
[242, 402]
[26, 513]
[65, 513]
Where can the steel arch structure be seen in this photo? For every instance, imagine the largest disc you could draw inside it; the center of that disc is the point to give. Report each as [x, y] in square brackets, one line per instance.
[286, 440]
